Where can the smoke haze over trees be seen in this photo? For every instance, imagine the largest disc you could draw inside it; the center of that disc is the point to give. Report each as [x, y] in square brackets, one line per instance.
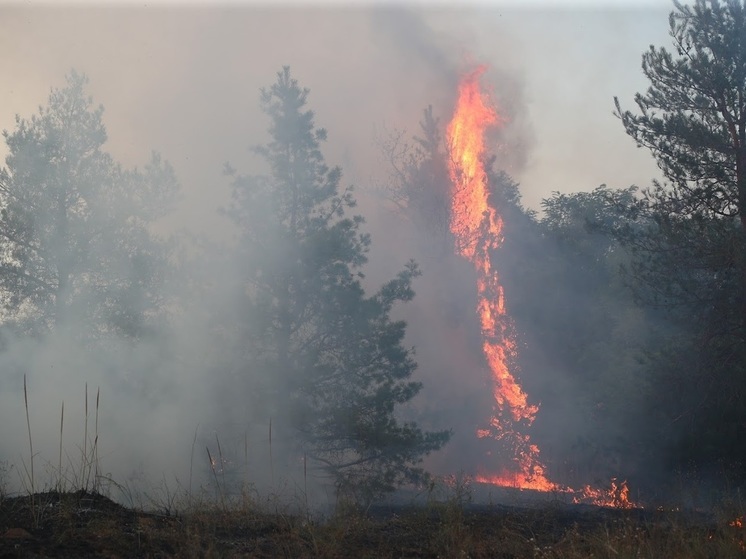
[292, 343]
[74, 230]
[327, 361]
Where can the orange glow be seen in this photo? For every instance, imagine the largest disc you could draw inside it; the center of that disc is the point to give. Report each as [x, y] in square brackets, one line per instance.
[477, 230]
[617, 496]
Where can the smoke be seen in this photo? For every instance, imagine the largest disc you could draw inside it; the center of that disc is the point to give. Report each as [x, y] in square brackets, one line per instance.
[186, 82]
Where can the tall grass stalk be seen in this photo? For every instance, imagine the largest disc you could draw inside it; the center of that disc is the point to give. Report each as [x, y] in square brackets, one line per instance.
[221, 463]
[246, 458]
[85, 444]
[30, 443]
[215, 475]
[59, 464]
[89, 467]
[271, 463]
[191, 463]
[305, 481]
[94, 453]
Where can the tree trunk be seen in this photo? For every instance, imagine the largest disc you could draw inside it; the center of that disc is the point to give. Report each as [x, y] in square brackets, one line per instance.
[63, 256]
[741, 249]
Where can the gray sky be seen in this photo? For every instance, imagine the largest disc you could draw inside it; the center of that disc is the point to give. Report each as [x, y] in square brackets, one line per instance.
[184, 78]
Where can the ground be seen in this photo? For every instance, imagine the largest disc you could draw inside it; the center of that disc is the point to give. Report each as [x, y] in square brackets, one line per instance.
[81, 524]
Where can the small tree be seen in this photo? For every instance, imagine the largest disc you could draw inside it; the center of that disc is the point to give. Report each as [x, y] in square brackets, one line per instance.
[419, 183]
[74, 237]
[334, 358]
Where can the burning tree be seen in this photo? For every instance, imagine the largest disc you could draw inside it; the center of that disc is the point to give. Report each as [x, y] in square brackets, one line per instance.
[477, 231]
[333, 369]
[478, 207]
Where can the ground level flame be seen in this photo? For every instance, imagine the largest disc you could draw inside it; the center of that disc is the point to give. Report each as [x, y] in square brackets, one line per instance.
[477, 231]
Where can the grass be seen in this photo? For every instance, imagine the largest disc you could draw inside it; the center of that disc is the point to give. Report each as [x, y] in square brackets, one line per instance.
[81, 524]
[76, 518]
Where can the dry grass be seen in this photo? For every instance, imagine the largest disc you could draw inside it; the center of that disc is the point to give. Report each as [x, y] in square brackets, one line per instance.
[80, 524]
[76, 520]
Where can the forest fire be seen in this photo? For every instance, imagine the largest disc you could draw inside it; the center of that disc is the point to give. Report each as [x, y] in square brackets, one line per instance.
[616, 496]
[477, 230]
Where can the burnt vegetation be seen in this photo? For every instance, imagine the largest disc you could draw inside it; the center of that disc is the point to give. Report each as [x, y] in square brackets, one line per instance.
[629, 303]
[79, 524]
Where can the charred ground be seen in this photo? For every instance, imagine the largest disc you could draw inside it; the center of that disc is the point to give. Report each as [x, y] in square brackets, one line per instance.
[82, 524]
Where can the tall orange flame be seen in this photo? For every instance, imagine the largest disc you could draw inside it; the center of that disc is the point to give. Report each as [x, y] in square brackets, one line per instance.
[477, 230]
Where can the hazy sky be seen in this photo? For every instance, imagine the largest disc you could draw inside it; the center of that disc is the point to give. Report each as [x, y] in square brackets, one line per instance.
[184, 79]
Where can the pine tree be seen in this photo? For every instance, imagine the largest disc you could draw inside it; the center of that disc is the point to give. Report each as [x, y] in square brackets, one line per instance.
[74, 237]
[332, 357]
[689, 243]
